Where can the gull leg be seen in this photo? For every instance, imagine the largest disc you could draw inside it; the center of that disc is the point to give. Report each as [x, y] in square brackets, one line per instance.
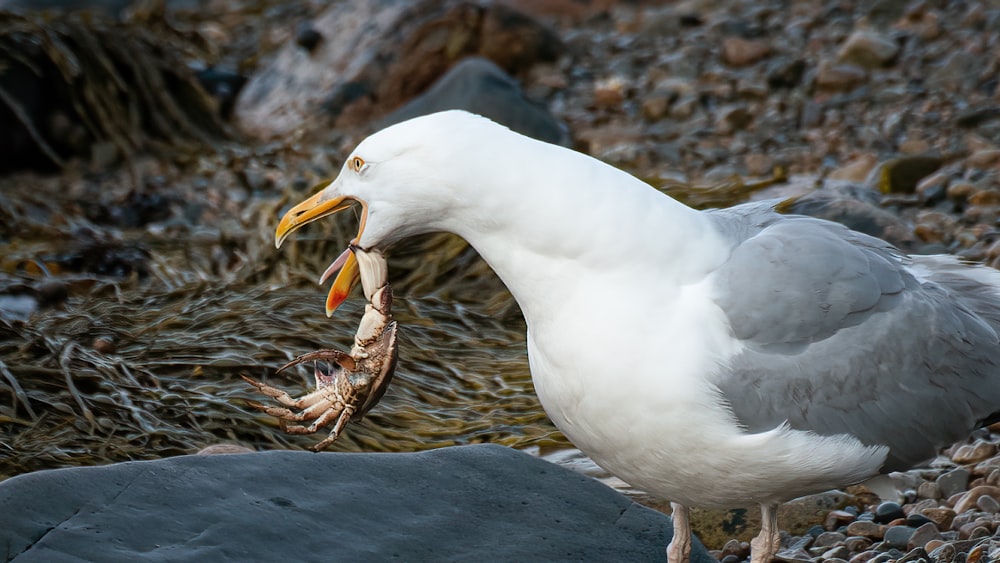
[765, 546]
[679, 549]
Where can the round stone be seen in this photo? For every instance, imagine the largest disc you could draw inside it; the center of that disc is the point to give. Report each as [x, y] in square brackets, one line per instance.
[887, 512]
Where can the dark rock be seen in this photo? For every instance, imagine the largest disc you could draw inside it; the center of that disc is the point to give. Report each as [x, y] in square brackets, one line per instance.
[898, 536]
[917, 520]
[785, 73]
[887, 512]
[479, 86]
[976, 116]
[308, 37]
[839, 552]
[224, 85]
[901, 175]
[479, 502]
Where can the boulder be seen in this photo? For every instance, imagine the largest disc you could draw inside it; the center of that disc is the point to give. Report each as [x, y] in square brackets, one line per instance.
[478, 85]
[372, 56]
[483, 502]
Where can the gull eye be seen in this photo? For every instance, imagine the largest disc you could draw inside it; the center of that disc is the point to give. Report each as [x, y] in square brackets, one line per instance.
[356, 163]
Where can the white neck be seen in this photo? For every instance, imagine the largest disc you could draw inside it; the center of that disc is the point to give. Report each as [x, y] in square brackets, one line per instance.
[544, 228]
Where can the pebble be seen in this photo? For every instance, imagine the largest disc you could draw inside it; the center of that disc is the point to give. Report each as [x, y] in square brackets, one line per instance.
[970, 499]
[898, 536]
[857, 543]
[941, 516]
[923, 534]
[917, 520]
[737, 51]
[828, 539]
[866, 529]
[981, 449]
[839, 552]
[887, 512]
[839, 77]
[868, 49]
[954, 481]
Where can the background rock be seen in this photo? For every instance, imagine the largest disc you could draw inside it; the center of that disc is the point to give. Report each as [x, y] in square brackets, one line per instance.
[478, 85]
[375, 55]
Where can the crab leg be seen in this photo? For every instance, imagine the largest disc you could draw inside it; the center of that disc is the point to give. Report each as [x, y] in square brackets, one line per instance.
[360, 377]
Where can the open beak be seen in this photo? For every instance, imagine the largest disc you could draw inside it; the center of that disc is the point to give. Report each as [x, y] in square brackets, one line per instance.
[316, 207]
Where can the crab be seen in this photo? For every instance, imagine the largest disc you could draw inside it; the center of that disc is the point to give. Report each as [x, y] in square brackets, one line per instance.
[356, 381]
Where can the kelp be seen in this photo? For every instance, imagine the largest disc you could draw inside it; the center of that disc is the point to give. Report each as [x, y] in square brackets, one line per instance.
[134, 366]
[79, 85]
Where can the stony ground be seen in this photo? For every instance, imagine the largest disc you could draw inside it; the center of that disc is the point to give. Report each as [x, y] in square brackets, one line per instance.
[901, 98]
[885, 115]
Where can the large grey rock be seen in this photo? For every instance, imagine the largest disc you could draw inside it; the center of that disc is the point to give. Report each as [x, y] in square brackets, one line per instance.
[465, 503]
[479, 86]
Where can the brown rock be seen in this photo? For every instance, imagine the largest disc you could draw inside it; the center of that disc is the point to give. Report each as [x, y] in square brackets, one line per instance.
[941, 516]
[655, 106]
[969, 499]
[961, 191]
[758, 164]
[928, 489]
[856, 170]
[837, 518]
[985, 158]
[867, 529]
[857, 543]
[868, 49]
[933, 544]
[609, 93]
[973, 453]
[737, 51]
[973, 530]
[839, 77]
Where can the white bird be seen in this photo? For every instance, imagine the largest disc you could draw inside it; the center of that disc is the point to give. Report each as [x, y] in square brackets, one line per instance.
[713, 358]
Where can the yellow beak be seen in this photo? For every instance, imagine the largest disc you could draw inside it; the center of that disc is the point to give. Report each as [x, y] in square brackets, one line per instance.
[316, 208]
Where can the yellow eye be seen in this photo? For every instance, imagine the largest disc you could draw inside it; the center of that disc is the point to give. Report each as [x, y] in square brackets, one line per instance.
[356, 163]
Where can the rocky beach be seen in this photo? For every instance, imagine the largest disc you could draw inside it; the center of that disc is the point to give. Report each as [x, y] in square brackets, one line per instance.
[152, 146]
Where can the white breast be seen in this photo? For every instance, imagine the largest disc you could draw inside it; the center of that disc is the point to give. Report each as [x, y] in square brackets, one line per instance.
[626, 382]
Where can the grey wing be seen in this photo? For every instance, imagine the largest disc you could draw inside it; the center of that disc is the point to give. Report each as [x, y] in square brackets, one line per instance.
[842, 334]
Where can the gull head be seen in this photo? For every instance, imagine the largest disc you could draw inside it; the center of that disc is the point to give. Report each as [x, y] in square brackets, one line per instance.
[403, 179]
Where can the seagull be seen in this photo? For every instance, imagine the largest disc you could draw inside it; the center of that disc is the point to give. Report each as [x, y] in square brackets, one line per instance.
[722, 358]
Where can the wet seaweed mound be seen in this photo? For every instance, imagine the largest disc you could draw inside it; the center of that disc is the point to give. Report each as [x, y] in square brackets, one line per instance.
[78, 85]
